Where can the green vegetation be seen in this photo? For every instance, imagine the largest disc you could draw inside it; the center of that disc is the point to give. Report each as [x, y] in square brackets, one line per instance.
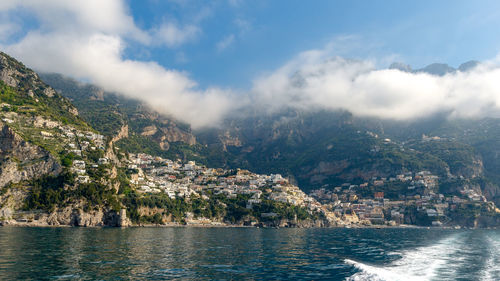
[26, 107]
[139, 144]
[102, 117]
[178, 150]
[67, 159]
[38, 104]
[49, 192]
[317, 149]
[219, 207]
[457, 156]
[124, 180]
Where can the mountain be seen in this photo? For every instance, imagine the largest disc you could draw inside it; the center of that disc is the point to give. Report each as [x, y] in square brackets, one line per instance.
[314, 149]
[439, 69]
[317, 148]
[334, 154]
[31, 111]
[41, 136]
[467, 66]
[107, 112]
[401, 66]
[110, 113]
[323, 152]
[61, 166]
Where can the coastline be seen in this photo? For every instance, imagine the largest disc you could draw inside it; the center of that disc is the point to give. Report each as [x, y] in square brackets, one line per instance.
[219, 225]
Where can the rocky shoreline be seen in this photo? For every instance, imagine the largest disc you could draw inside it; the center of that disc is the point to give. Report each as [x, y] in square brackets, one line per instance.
[178, 225]
[115, 221]
[70, 217]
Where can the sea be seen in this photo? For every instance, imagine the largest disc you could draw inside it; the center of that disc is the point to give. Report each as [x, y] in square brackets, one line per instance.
[193, 253]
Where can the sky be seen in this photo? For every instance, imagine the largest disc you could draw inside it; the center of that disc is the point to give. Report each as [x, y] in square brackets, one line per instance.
[200, 61]
[238, 40]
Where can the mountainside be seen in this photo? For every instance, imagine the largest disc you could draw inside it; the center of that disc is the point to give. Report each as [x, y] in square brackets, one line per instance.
[57, 169]
[314, 148]
[339, 158]
[108, 112]
[41, 135]
[148, 131]
[30, 112]
[124, 158]
[439, 69]
[471, 141]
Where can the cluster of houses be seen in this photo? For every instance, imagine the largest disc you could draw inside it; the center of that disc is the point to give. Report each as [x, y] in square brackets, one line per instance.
[377, 209]
[86, 140]
[69, 138]
[346, 203]
[176, 179]
[80, 169]
[83, 141]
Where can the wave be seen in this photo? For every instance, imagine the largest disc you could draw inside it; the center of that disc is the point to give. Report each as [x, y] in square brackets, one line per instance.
[373, 273]
[491, 268]
[423, 263]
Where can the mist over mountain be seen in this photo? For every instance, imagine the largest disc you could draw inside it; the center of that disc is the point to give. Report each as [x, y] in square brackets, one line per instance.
[439, 69]
[322, 148]
[85, 155]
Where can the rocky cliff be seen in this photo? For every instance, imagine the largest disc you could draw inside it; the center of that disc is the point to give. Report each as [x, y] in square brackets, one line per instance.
[16, 75]
[20, 160]
[108, 112]
[68, 216]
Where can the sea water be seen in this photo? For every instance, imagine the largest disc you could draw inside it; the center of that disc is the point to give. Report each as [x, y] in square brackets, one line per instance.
[248, 254]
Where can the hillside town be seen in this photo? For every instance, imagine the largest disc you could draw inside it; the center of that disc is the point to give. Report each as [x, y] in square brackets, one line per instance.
[345, 205]
[176, 179]
[411, 198]
[367, 203]
[417, 196]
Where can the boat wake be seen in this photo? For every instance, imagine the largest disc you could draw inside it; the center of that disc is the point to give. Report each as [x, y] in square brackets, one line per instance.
[424, 263]
[492, 268]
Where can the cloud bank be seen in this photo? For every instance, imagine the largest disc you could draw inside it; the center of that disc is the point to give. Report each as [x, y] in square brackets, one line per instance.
[87, 40]
[314, 81]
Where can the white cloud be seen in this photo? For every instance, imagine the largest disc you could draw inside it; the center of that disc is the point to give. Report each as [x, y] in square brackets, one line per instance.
[7, 29]
[172, 35]
[225, 43]
[312, 81]
[109, 16]
[86, 40]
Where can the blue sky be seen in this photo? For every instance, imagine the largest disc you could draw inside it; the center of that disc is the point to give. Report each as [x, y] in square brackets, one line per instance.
[201, 61]
[238, 40]
[265, 34]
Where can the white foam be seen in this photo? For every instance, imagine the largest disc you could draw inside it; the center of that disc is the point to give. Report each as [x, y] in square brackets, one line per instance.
[417, 264]
[491, 269]
[373, 273]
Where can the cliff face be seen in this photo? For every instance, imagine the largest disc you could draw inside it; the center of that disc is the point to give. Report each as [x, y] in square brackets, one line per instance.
[37, 128]
[16, 75]
[68, 216]
[492, 192]
[108, 112]
[20, 160]
[164, 133]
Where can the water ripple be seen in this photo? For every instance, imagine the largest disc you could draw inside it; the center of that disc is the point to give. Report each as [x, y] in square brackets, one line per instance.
[254, 254]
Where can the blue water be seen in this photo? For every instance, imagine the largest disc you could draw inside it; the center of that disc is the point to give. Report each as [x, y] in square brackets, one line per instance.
[248, 254]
